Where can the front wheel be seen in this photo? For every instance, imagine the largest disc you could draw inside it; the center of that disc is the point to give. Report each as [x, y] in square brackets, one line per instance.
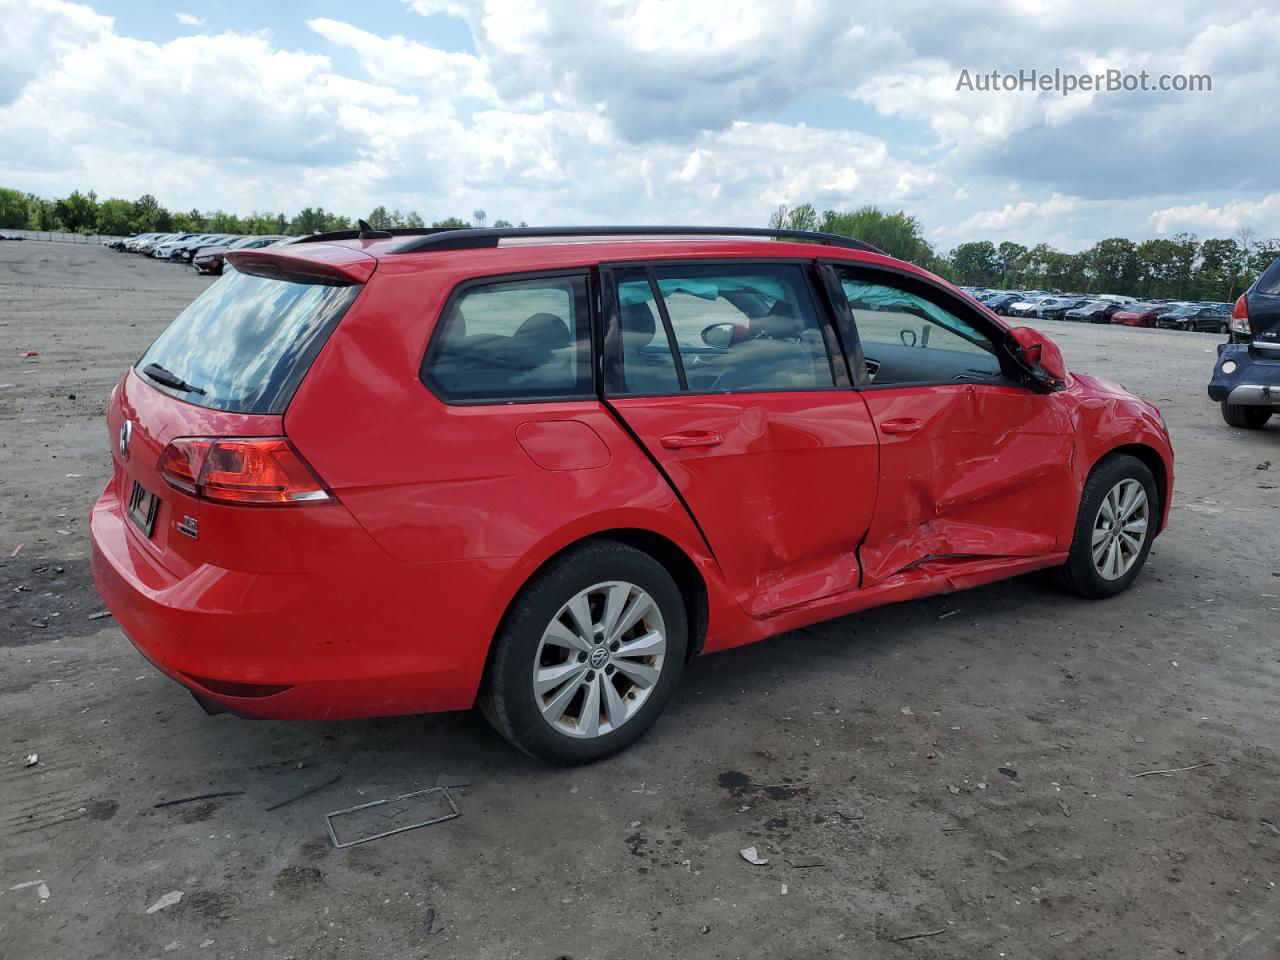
[1119, 510]
[588, 655]
[1247, 417]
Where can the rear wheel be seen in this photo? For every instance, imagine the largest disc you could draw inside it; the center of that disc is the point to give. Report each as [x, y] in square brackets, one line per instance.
[588, 655]
[1119, 510]
[1241, 415]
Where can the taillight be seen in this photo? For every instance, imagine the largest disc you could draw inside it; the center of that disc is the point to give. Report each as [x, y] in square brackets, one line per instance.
[252, 471]
[1240, 318]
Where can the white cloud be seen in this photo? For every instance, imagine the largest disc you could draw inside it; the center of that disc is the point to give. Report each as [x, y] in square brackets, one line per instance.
[35, 34]
[1226, 218]
[657, 110]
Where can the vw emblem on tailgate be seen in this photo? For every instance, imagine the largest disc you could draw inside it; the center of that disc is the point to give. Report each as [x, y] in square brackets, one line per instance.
[126, 432]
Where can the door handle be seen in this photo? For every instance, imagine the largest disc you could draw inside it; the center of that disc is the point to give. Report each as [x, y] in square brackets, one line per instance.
[903, 425]
[695, 438]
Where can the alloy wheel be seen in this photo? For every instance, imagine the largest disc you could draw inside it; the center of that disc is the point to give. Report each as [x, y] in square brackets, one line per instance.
[1120, 529]
[599, 659]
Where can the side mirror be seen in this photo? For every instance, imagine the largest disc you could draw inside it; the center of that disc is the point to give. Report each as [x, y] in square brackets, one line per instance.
[1041, 356]
[722, 336]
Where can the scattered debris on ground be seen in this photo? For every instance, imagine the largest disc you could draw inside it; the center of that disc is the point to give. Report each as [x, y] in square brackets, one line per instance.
[436, 799]
[752, 856]
[315, 788]
[199, 796]
[168, 900]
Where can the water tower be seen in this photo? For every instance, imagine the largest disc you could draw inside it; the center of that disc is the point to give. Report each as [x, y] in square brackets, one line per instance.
[479, 217]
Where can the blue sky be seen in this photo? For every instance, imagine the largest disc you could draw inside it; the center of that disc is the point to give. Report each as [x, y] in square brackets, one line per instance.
[592, 111]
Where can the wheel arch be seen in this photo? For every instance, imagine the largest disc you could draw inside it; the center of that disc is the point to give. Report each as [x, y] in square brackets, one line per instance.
[1151, 458]
[689, 579]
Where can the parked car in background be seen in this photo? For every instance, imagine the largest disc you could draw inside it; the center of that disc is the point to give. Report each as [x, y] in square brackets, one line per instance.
[147, 247]
[210, 259]
[183, 250]
[1001, 302]
[134, 244]
[163, 250]
[1204, 319]
[1139, 314]
[585, 532]
[1024, 308]
[1093, 311]
[1246, 378]
[1057, 309]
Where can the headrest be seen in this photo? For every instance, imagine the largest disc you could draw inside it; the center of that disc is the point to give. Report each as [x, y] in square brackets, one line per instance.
[543, 330]
[637, 321]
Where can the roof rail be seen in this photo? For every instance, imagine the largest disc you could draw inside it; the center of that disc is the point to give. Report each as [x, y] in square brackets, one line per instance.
[359, 233]
[479, 238]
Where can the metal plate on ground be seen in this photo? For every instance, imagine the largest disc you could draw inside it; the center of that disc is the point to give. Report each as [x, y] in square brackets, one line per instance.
[382, 818]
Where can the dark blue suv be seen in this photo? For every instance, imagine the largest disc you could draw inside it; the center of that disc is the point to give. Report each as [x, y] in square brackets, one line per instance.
[1246, 380]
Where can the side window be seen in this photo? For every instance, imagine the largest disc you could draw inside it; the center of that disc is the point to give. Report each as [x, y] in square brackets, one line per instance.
[647, 366]
[737, 329]
[906, 338]
[513, 340]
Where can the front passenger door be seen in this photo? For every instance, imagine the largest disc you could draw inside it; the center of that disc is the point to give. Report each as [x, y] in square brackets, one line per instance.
[973, 464]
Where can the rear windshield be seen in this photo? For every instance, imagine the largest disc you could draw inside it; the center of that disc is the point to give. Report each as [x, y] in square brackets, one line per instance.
[1269, 284]
[245, 344]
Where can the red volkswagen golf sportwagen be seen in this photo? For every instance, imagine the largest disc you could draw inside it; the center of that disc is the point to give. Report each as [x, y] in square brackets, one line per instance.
[395, 472]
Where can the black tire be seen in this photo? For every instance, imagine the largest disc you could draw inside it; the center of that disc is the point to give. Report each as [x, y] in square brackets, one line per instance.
[1244, 416]
[1079, 574]
[507, 697]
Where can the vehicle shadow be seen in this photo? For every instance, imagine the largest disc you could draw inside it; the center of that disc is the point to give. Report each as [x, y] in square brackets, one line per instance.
[404, 753]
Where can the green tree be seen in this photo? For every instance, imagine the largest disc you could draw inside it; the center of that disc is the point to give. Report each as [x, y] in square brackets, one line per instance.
[501, 224]
[189, 222]
[977, 263]
[413, 220]
[453, 223]
[803, 217]
[78, 211]
[379, 218]
[149, 216]
[1113, 265]
[319, 220]
[115, 216]
[13, 209]
[42, 214]
[1010, 257]
[1186, 249]
[1220, 271]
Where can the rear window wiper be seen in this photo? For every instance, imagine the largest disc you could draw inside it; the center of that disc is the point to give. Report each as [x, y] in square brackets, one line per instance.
[164, 377]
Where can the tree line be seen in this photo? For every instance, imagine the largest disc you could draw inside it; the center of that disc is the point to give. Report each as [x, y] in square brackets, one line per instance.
[85, 213]
[1181, 267]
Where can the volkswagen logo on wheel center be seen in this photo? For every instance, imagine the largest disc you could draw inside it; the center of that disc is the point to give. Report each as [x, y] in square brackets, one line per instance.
[126, 433]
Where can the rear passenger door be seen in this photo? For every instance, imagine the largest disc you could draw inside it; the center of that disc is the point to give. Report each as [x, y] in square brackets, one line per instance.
[731, 377]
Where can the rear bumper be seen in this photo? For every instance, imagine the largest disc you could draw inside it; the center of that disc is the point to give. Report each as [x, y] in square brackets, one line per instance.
[377, 638]
[1255, 381]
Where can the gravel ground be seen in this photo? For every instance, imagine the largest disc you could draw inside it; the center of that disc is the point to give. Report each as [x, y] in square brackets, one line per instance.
[985, 743]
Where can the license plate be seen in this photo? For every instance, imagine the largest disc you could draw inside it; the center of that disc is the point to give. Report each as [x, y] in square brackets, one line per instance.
[142, 508]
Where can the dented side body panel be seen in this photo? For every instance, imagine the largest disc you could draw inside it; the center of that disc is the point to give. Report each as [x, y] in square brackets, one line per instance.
[975, 481]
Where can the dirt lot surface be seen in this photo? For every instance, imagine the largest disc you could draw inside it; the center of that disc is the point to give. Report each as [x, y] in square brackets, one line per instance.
[984, 744]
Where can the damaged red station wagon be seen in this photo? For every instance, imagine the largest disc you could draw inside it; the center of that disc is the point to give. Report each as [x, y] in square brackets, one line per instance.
[381, 473]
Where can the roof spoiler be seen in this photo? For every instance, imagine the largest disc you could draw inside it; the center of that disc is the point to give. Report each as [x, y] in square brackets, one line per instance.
[339, 266]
